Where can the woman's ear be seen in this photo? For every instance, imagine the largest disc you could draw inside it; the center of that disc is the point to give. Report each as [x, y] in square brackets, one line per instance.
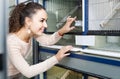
[28, 21]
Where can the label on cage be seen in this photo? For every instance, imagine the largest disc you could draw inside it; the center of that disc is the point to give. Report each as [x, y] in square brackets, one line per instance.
[78, 23]
[85, 40]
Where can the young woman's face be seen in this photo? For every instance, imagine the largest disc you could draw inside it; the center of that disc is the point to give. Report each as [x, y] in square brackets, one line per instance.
[38, 22]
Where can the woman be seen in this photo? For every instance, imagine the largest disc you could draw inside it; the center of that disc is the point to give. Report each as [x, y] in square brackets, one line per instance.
[28, 21]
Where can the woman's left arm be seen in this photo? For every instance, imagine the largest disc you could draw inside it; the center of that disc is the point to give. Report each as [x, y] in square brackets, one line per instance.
[45, 39]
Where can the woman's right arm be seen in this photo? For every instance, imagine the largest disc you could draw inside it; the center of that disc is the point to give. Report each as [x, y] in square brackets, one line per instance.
[21, 64]
[27, 70]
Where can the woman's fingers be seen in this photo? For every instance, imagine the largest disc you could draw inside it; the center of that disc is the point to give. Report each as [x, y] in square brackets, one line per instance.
[71, 19]
[63, 52]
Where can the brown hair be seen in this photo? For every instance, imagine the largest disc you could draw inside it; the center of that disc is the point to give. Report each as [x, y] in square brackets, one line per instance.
[22, 10]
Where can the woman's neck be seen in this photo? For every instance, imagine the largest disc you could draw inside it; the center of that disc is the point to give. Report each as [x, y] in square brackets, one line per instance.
[23, 35]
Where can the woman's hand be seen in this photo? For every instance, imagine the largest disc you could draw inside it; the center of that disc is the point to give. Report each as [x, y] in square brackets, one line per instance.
[63, 52]
[67, 27]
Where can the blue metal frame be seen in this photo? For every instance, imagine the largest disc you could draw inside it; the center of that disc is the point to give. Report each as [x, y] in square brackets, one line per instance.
[45, 73]
[85, 17]
[44, 3]
[85, 76]
[85, 57]
[17, 2]
[85, 20]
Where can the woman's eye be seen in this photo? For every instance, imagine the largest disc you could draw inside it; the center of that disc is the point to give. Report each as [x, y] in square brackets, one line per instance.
[41, 20]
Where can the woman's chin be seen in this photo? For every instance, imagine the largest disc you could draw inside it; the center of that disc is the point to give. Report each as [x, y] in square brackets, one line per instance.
[39, 33]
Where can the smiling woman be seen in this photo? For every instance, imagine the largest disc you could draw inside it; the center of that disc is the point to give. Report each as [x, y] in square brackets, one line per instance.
[38, 22]
[28, 21]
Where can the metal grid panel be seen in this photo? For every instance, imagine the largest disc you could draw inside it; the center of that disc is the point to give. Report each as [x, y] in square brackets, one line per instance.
[104, 14]
[59, 10]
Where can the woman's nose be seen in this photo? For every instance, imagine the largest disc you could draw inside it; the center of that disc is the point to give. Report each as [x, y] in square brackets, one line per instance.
[45, 25]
